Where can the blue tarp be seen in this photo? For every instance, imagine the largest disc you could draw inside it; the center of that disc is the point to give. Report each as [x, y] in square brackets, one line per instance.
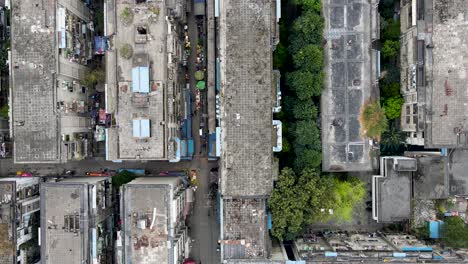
[191, 148]
[183, 148]
[413, 249]
[269, 222]
[212, 145]
[140, 79]
[434, 229]
[100, 45]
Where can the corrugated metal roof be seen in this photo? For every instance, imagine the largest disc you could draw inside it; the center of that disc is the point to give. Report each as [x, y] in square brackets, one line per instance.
[141, 128]
[140, 79]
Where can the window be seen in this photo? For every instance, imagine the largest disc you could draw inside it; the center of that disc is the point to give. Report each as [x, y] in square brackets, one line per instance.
[408, 120]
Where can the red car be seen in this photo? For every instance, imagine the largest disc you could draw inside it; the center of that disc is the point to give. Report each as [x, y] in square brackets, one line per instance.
[98, 174]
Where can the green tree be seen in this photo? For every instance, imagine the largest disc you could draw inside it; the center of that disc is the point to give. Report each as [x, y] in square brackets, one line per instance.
[392, 107]
[373, 120]
[306, 133]
[126, 51]
[305, 83]
[455, 232]
[315, 5]
[307, 158]
[306, 29]
[305, 110]
[4, 111]
[94, 77]
[280, 56]
[390, 89]
[287, 211]
[347, 195]
[309, 58]
[392, 140]
[122, 178]
[126, 15]
[390, 49]
[391, 31]
[296, 201]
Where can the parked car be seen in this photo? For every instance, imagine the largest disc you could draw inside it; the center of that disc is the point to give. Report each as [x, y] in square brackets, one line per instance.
[98, 174]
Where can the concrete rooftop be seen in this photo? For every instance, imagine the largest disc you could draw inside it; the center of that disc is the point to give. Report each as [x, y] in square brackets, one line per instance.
[447, 115]
[142, 198]
[57, 201]
[246, 97]
[348, 84]
[35, 128]
[394, 194]
[122, 102]
[244, 230]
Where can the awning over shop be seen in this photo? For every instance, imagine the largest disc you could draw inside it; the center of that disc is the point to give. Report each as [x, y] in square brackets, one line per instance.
[140, 79]
[61, 29]
[199, 7]
[201, 85]
[100, 45]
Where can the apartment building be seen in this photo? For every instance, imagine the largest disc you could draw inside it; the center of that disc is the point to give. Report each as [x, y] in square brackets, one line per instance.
[19, 220]
[145, 90]
[51, 45]
[153, 221]
[77, 221]
[432, 55]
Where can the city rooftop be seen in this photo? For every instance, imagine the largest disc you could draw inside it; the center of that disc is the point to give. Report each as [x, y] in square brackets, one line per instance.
[348, 85]
[246, 97]
[33, 77]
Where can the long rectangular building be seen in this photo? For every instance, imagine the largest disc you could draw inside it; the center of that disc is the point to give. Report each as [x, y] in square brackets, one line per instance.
[145, 95]
[50, 48]
[433, 73]
[247, 34]
[350, 28]
[77, 221]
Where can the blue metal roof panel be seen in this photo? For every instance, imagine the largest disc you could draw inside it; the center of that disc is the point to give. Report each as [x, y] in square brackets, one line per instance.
[145, 128]
[136, 128]
[135, 80]
[144, 79]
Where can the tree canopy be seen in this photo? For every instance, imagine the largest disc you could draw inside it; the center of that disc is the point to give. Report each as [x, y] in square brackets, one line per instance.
[305, 110]
[122, 178]
[291, 202]
[306, 198]
[455, 232]
[390, 89]
[309, 58]
[306, 29]
[305, 84]
[315, 5]
[392, 106]
[347, 195]
[306, 133]
[306, 157]
[390, 48]
[373, 120]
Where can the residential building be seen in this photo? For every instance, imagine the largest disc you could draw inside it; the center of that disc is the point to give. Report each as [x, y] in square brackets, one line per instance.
[247, 91]
[145, 90]
[432, 72]
[357, 247]
[153, 221]
[352, 72]
[77, 221]
[19, 220]
[51, 46]
[391, 190]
